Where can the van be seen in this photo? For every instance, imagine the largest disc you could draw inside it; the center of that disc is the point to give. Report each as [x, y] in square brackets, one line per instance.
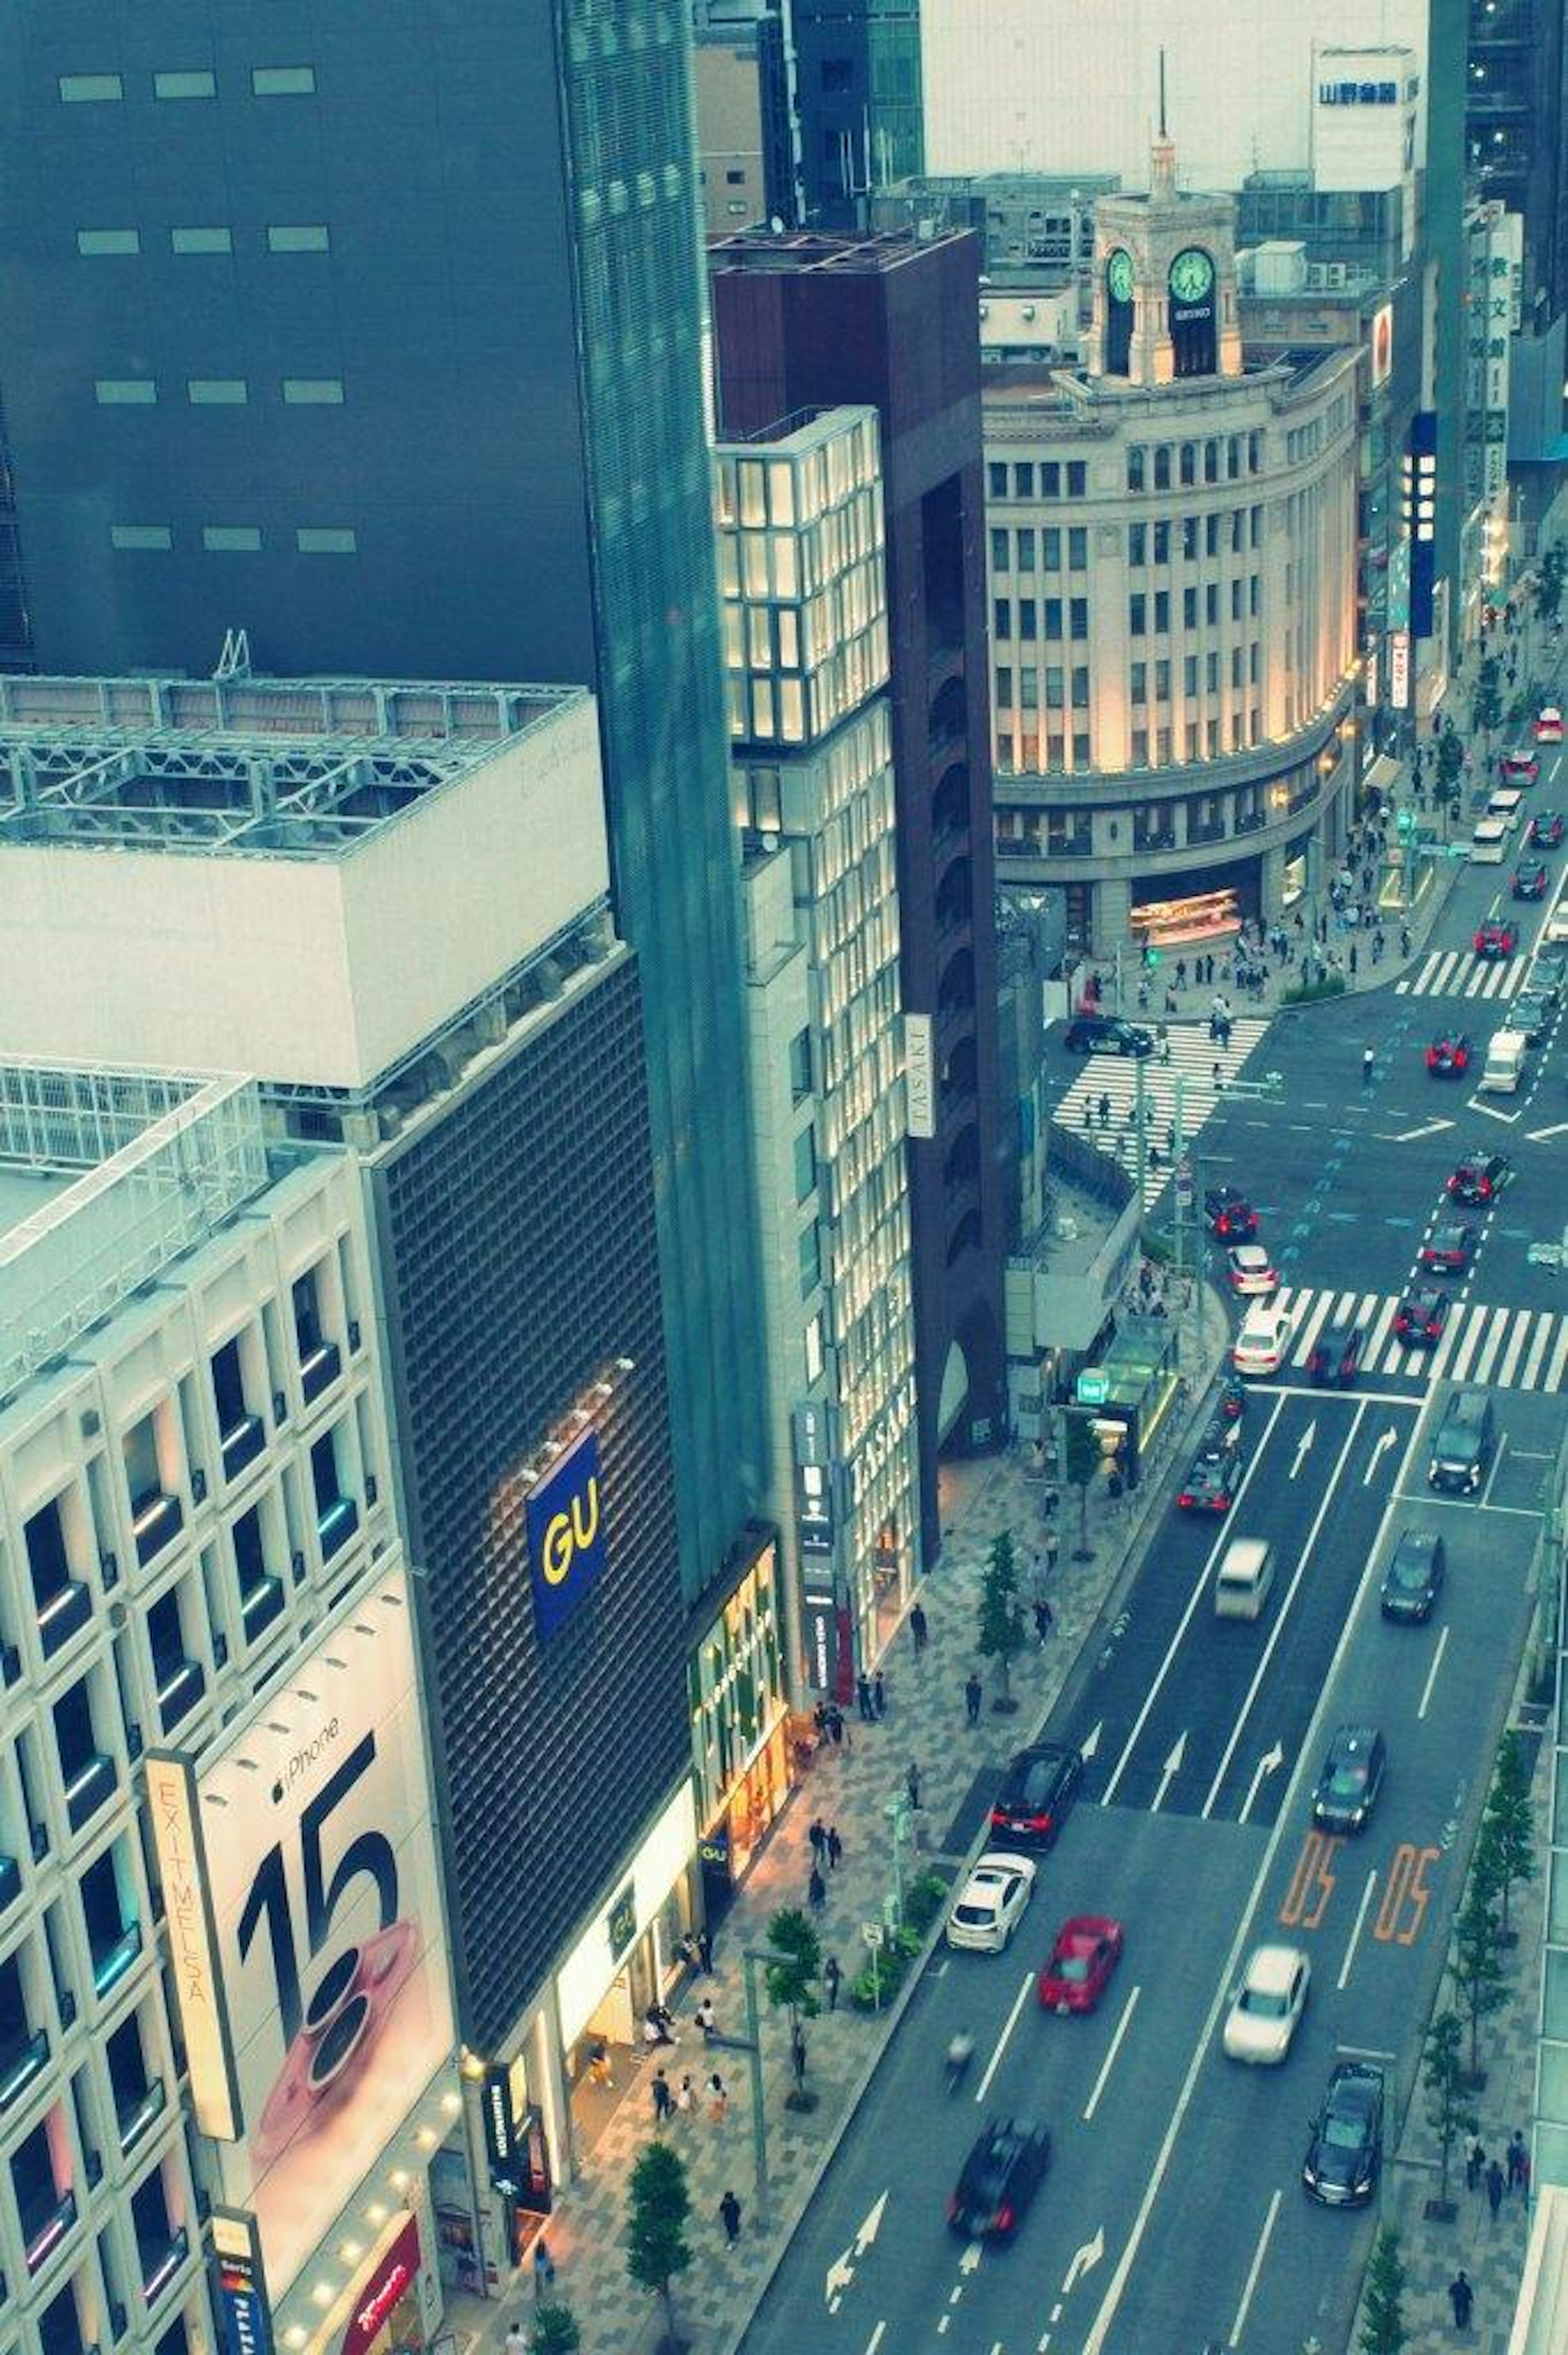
[1246, 1575]
[1507, 803]
[1505, 1062]
[1463, 1447]
[1488, 844]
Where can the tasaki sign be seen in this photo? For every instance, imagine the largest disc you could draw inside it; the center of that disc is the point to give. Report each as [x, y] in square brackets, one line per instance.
[565, 1534]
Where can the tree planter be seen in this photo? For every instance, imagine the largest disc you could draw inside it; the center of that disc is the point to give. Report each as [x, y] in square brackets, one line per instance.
[1474, 2081]
[1005, 1705]
[1440, 2211]
[800, 2099]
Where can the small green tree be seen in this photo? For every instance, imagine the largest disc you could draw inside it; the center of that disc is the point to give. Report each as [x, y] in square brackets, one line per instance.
[1549, 584]
[1084, 1461]
[791, 1977]
[1448, 2112]
[1486, 704]
[659, 2204]
[554, 2332]
[1450, 764]
[1001, 1635]
[1510, 1820]
[1382, 2300]
[1477, 1972]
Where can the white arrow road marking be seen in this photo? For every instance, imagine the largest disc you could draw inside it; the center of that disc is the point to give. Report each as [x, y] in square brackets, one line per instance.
[874, 2341]
[1269, 1763]
[1343, 1980]
[1123, 2024]
[840, 2273]
[1304, 1448]
[970, 2259]
[1091, 1741]
[1087, 2255]
[1171, 1769]
[990, 2067]
[1250, 2285]
[1384, 1439]
[871, 2227]
[1432, 1671]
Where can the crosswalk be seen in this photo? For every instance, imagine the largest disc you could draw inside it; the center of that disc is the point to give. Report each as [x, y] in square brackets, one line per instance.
[1192, 1059]
[1459, 973]
[1507, 1349]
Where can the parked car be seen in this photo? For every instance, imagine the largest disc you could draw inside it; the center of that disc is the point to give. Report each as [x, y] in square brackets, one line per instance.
[1350, 1779]
[1037, 1793]
[1345, 2152]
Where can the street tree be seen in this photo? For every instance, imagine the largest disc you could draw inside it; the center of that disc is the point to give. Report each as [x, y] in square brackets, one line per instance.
[659, 2205]
[1450, 764]
[1549, 584]
[1083, 1464]
[1383, 2298]
[1473, 1962]
[791, 1977]
[555, 2330]
[1000, 1634]
[1448, 2112]
[1486, 704]
[1510, 1818]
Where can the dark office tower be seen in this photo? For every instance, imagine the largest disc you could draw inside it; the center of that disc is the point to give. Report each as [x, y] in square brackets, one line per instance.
[857, 85]
[1515, 125]
[374, 332]
[811, 322]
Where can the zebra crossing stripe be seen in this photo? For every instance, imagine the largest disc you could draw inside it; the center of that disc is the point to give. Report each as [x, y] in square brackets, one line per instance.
[1537, 1351]
[1554, 1379]
[1511, 1348]
[1518, 1335]
[1455, 973]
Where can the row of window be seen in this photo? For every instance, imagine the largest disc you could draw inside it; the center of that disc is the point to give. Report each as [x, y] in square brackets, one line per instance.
[1189, 537]
[1061, 685]
[1068, 478]
[283, 237]
[1027, 762]
[1221, 459]
[1042, 617]
[234, 538]
[1201, 741]
[1016, 550]
[108, 88]
[217, 391]
[1244, 668]
[1147, 613]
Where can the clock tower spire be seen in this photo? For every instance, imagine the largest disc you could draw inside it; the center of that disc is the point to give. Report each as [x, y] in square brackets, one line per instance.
[1165, 279]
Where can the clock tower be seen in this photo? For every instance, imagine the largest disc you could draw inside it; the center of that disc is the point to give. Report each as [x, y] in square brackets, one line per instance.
[1165, 282]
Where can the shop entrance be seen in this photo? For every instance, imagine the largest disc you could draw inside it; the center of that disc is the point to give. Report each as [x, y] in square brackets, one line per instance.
[611, 2058]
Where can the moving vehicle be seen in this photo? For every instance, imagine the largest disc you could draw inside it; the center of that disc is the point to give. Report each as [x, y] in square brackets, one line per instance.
[1546, 829]
[1449, 1249]
[1230, 1215]
[1489, 842]
[1543, 978]
[1000, 2177]
[1507, 803]
[1413, 1578]
[1335, 1356]
[1531, 1015]
[1233, 1400]
[1531, 878]
[1345, 2153]
[1210, 1485]
[1350, 1780]
[1087, 1952]
[1420, 1318]
[1480, 1177]
[992, 1902]
[1549, 726]
[1243, 1579]
[1037, 1793]
[1448, 1056]
[1462, 1443]
[1518, 767]
[1554, 932]
[1504, 1066]
[1266, 2005]
[1261, 1344]
[1496, 937]
[1251, 1271]
[1106, 1034]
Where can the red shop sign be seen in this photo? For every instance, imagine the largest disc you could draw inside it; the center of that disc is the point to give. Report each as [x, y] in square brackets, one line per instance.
[394, 2276]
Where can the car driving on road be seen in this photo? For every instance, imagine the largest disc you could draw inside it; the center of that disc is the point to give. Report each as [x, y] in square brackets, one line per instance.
[1000, 2177]
[1087, 1952]
[1531, 1015]
[1350, 1780]
[1106, 1034]
[1413, 1578]
[1480, 1177]
[1549, 725]
[1251, 1270]
[1343, 2156]
[1420, 1317]
[1264, 1337]
[1210, 1485]
[1449, 1248]
[1335, 1359]
[1497, 937]
[992, 1902]
[1037, 1793]
[1230, 1215]
[1531, 878]
[1266, 2005]
[1546, 829]
[1449, 1054]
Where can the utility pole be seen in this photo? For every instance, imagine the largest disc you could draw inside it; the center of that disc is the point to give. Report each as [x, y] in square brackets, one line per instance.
[750, 1958]
[1140, 1116]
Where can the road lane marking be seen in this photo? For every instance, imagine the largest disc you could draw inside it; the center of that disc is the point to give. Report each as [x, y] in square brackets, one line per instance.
[1432, 1671]
[1554, 1379]
[1255, 2269]
[1343, 1980]
[990, 2067]
[874, 2341]
[1538, 1136]
[1169, 1772]
[1269, 1763]
[1117, 2287]
[1282, 1614]
[1388, 1438]
[1123, 2024]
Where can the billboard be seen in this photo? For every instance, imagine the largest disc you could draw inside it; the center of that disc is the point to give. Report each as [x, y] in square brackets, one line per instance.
[321, 2009]
[565, 1533]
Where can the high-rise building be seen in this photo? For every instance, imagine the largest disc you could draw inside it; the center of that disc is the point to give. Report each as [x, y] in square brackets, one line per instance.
[377, 334]
[809, 322]
[1516, 130]
[857, 83]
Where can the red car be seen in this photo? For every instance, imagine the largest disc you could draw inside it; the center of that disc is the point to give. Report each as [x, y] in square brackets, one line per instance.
[1546, 830]
[1530, 879]
[1497, 937]
[1086, 1950]
[1450, 1250]
[1518, 767]
[1210, 1485]
[1421, 1319]
[1449, 1055]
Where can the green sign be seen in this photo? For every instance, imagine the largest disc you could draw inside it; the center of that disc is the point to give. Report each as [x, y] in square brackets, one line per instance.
[1406, 824]
[1094, 1386]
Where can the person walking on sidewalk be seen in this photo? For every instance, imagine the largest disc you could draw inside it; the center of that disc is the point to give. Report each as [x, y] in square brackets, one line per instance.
[705, 2017]
[918, 1629]
[879, 1695]
[1495, 2186]
[685, 2097]
[862, 1697]
[1514, 2157]
[818, 1835]
[718, 2099]
[1462, 2297]
[832, 1976]
[729, 2216]
[663, 2100]
[836, 1848]
[817, 1890]
[912, 1784]
[1475, 2164]
[1043, 1619]
[705, 1951]
[544, 2269]
[973, 1691]
[1368, 1061]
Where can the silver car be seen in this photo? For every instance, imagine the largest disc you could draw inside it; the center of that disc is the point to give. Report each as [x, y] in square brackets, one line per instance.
[1266, 2005]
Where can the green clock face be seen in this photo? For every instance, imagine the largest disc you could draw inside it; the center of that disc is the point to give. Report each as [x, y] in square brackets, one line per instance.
[1192, 275]
[1118, 275]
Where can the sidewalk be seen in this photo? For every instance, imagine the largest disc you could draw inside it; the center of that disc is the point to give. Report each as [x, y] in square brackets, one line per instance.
[925, 1725]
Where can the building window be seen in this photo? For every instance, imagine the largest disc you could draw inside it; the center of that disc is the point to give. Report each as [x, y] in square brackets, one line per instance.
[1024, 479]
[1253, 595]
[808, 1251]
[1189, 538]
[1135, 469]
[805, 1163]
[1141, 747]
[1053, 617]
[1026, 552]
[1161, 612]
[125, 391]
[1137, 682]
[1255, 521]
[1077, 478]
[1055, 689]
[1137, 611]
[1137, 543]
[1189, 674]
[1162, 680]
[1000, 551]
[140, 535]
[231, 539]
[314, 391]
[1002, 617]
[799, 1066]
[108, 240]
[837, 76]
[1077, 549]
[303, 237]
[1162, 543]
[217, 391]
[1211, 461]
[1080, 685]
[1212, 673]
[1003, 685]
[1028, 619]
[185, 85]
[1081, 748]
[282, 82]
[1029, 689]
[1162, 466]
[324, 539]
[90, 90]
[200, 240]
[1188, 464]
[1189, 609]
[1235, 600]
[813, 1346]
[996, 479]
[1232, 458]
[1079, 617]
[1052, 537]
[734, 178]
[1211, 535]
[1212, 604]
[1254, 453]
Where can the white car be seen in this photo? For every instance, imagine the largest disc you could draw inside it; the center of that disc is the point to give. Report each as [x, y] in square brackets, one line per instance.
[1264, 1337]
[1556, 925]
[1549, 727]
[1266, 2005]
[989, 1906]
[1251, 1271]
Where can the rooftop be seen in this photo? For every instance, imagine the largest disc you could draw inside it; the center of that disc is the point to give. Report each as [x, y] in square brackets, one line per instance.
[288, 768]
[811, 250]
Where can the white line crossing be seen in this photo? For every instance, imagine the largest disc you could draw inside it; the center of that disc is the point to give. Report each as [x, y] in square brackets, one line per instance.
[1457, 973]
[1193, 1057]
[1505, 1349]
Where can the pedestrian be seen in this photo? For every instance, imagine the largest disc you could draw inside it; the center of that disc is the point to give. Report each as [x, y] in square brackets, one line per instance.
[918, 1629]
[797, 2052]
[1042, 1619]
[836, 1848]
[516, 2341]
[1462, 2297]
[1218, 1076]
[832, 1976]
[1404, 940]
[1352, 960]
[818, 1835]
[1475, 2164]
[706, 2018]
[1052, 1547]
[1514, 2156]
[599, 2064]
[718, 2099]
[1368, 1058]
[729, 2215]
[879, 1695]
[1494, 2187]
[817, 1890]
[544, 2269]
[973, 1690]
[1180, 973]
[663, 2100]
[1103, 1109]
[1088, 1113]
[1049, 1502]
[912, 1784]
[863, 1694]
[705, 1951]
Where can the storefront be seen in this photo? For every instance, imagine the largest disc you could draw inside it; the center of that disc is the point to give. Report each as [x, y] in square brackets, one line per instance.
[740, 1747]
[1197, 919]
[373, 2287]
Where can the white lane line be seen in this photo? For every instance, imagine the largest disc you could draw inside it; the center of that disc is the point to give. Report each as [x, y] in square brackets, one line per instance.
[1254, 2269]
[991, 2065]
[1343, 1979]
[1475, 1323]
[1519, 1334]
[1554, 1378]
[1537, 1350]
[874, 2341]
[1311, 1330]
[1494, 1341]
[1380, 1331]
[1283, 1614]
[1185, 1621]
[1123, 2024]
[1432, 1671]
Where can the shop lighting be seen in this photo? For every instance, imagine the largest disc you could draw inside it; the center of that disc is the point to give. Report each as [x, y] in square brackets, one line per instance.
[350, 2252]
[295, 2335]
[322, 2294]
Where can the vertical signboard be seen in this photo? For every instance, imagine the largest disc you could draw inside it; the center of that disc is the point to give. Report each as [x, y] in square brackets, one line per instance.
[919, 1076]
[240, 2285]
[565, 1533]
[1421, 518]
[192, 1957]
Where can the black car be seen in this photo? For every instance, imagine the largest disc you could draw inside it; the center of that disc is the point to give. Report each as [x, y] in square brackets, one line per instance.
[1343, 2157]
[1480, 1177]
[1233, 1400]
[1210, 1485]
[1037, 1791]
[1530, 879]
[1350, 1780]
[1449, 1248]
[1001, 2177]
[1106, 1034]
[1335, 1356]
[1230, 1214]
[1422, 1318]
[1531, 1015]
[1413, 1576]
